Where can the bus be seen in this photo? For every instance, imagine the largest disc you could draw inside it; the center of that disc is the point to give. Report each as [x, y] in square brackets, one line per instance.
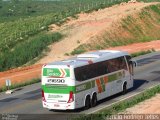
[81, 81]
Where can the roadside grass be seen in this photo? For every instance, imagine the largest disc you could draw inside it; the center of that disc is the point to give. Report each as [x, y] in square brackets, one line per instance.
[18, 85]
[142, 53]
[121, 106]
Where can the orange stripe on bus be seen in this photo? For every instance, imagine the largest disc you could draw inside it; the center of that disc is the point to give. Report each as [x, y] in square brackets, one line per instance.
[100, 89]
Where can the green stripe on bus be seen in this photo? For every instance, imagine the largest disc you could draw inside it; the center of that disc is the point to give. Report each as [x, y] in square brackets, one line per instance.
[112, 77]
[115, 76]
[104, 87]
[55, 72]
[102, 81]
[102, 84]
[93, 83]
[67, 72]
[58, 89]
[83, 87]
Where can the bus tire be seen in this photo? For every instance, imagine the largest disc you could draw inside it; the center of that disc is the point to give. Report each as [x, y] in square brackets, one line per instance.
[94, 100]
[87, 103]
[124, 88]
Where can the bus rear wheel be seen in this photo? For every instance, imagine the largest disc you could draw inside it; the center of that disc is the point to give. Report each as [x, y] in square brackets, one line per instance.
[124, 88]
[94, 100]
[87, 103]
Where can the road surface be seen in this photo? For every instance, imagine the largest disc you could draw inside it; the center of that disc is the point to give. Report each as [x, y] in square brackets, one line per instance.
[27, 100]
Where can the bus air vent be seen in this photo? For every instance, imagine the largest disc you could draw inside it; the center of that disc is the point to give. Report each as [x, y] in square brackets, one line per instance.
[88, 56]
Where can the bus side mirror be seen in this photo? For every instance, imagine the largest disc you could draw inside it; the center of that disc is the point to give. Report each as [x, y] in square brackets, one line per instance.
[134, 63]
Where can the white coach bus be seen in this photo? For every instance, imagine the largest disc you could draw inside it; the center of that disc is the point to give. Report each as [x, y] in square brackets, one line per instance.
[85, 79]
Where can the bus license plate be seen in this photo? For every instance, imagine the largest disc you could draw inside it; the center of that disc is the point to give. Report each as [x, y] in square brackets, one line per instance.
[56, 105]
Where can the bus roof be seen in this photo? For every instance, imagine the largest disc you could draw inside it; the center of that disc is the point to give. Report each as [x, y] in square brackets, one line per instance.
[90, 57]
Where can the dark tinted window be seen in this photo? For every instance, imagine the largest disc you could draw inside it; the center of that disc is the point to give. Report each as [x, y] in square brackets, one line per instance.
[100, 68]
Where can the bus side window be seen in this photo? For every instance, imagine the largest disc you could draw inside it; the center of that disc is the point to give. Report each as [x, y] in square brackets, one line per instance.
[97, 69]
[109, 66]
[105, 66]
[79, 73]
[122, 63]
[112, 65]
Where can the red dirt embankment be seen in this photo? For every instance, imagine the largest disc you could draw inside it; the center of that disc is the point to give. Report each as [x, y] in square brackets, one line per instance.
[21, 75]
[89, 27]
[137, 47]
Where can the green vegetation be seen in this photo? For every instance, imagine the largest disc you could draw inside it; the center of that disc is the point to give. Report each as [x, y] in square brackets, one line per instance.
[121, 106]
[142, 53]
[26, 51]
[142, 27]
[23, 22]
[28, 23]
[81, 49]
[18, 85]
[15, 9]
[148, 0]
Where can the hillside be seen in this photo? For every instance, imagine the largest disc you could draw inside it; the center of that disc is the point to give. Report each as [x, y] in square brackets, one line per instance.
[27, 28]
[118, 25]
[85, 29]
[24, 33]
[142, 26]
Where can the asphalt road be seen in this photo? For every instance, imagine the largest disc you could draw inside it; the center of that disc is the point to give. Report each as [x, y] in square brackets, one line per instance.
[28, 102]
